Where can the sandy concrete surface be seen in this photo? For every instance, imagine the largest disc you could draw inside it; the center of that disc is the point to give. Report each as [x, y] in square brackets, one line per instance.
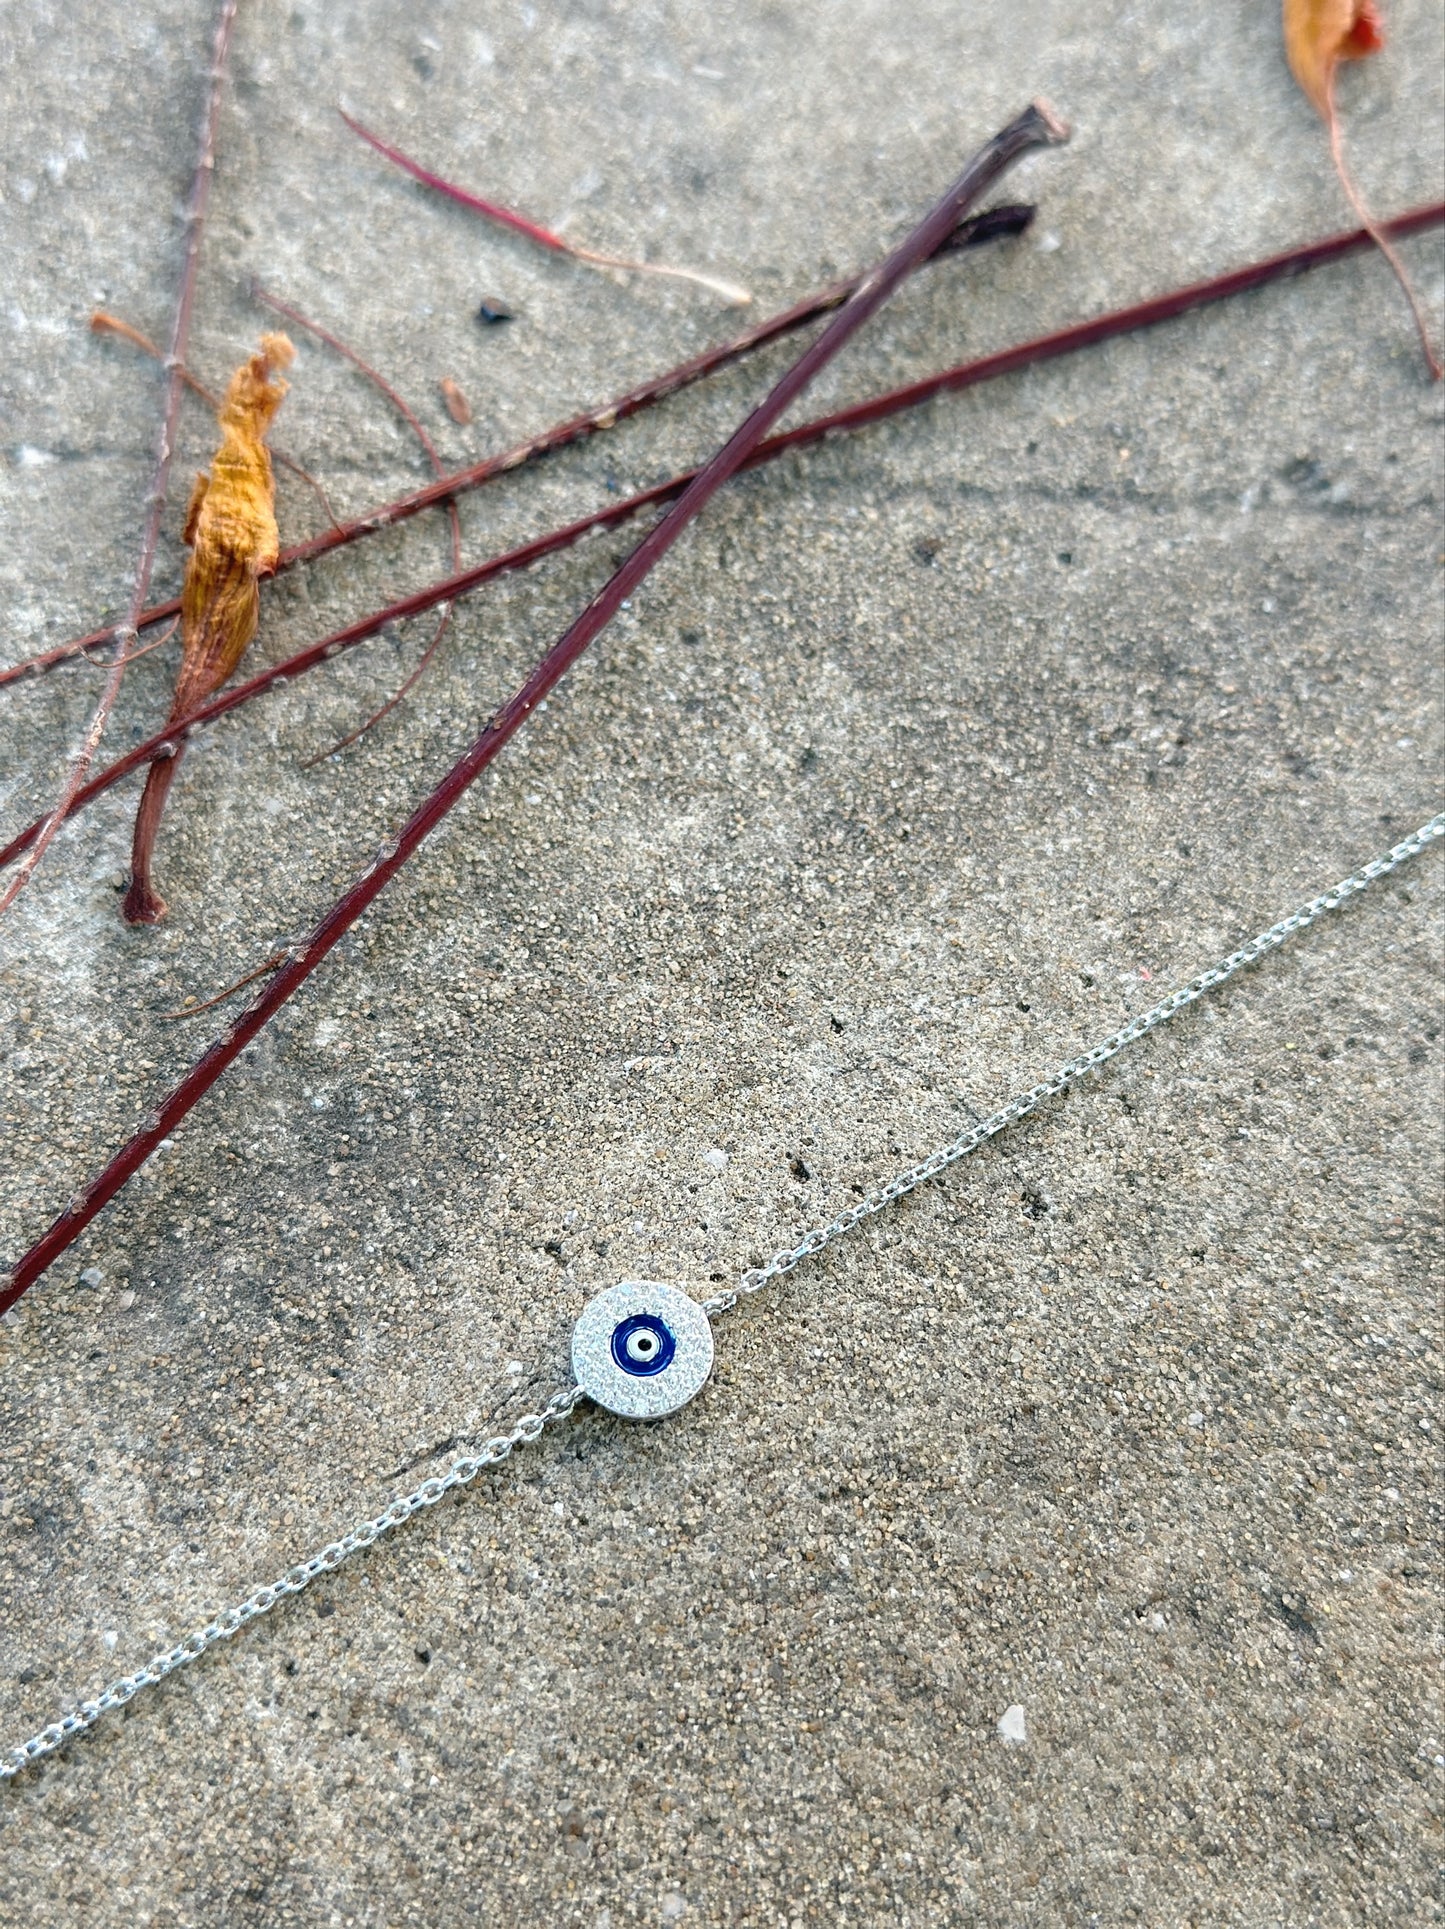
[923, 759]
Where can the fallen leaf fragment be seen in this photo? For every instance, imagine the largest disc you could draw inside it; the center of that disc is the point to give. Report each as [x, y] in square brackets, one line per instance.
[1319, 35]
[458, 407]
[232, 535]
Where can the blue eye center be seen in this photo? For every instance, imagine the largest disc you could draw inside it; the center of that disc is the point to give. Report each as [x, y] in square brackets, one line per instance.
[642, 1345]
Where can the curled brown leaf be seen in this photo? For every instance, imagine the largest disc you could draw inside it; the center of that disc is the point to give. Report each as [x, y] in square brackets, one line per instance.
[232, 535]
[1319, 36]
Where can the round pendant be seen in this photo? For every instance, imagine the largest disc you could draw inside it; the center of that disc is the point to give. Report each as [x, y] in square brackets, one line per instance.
[642, 1350]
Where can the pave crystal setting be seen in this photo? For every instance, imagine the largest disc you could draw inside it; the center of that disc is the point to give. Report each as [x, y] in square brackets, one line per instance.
[642, 1349]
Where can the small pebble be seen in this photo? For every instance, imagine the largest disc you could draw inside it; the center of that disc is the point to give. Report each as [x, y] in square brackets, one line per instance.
[492, 312]
[1012, 1724]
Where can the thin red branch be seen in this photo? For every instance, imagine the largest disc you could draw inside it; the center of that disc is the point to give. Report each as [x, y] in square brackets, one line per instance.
[505, 217]
[533, 230]
[986, 368]
[349, 354]
[237, 984]
[969, 233]
[103, 324]
[125, 636]
[399, 695]
[433, 455]
[1294, 261]
[1034, 128]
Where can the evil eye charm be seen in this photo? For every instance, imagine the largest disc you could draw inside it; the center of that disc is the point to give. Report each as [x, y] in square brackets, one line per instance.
[642, 1350]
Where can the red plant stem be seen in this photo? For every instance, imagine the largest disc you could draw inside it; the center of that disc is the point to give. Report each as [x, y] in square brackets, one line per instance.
[349, 354]
[1119, 321]
[504, 217]
[410, 416]
[165, 741]
[125, 635]
[1036, 127]
[239, 984]
[968, 234]
[534, 231]
[986, 368]
[104, 324]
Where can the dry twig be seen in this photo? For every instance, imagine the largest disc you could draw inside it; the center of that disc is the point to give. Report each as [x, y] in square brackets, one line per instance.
[985, 368]
[126, 635]
[534, 231]
[103, 324]
[1034, 128]
[969, 233]
[433, 456]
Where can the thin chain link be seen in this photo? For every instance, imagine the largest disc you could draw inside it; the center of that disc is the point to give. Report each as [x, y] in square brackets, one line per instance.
[294, 1581]
[531, 1427]
[1069, 1074]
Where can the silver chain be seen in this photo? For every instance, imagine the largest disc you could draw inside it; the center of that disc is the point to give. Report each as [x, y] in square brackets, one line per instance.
[1075, 1069]
[294, 1581]
[531, 1427]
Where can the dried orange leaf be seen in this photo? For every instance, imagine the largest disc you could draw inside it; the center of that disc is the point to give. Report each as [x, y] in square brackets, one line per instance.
[231, 530]
[232, 535]
[1319, 34]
